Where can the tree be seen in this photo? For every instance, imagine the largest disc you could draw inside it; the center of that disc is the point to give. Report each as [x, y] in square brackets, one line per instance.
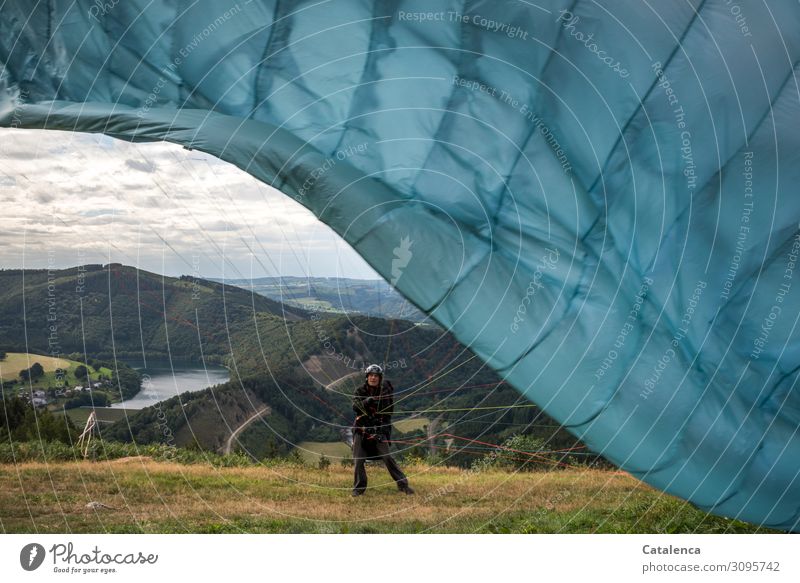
[19, 421]
[129, 381]
[37, 371]
[32, 373]
[2, 355]
[87, 399]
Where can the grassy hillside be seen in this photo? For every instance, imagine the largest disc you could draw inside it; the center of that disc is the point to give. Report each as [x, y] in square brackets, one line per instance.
[62, 381]
[165, 497]
[118, 310]
[14, 362]
[312, 451]
[411, 424]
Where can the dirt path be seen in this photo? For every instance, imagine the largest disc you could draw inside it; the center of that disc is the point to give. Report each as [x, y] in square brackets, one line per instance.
[340, 380]
[265, 410]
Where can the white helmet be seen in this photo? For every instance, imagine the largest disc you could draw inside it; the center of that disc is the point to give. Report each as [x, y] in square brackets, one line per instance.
[374, 368]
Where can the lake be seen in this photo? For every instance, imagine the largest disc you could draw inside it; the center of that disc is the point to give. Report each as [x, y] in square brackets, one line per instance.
[161, 381]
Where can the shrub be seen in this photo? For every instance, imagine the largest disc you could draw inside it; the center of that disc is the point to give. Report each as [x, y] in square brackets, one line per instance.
[519, 452]
[295, 458]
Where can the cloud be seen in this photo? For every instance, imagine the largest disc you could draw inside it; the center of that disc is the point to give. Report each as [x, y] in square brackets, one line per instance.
[43, 197]
[147, 166]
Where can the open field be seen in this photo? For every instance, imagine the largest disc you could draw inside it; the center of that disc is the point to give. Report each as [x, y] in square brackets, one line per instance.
[79, 415]
[411, 424]
[17, 361]
[158, 497]
[335, 451]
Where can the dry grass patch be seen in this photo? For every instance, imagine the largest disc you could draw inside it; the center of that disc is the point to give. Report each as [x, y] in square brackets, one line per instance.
[150, 496]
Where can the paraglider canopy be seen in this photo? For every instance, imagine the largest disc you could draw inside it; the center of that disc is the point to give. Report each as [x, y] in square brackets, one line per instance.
[599, 203]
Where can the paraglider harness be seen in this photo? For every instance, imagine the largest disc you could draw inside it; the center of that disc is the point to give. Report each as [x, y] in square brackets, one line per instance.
[372, 425]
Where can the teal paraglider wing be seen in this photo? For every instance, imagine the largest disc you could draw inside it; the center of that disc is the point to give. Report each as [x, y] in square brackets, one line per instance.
[598, 199]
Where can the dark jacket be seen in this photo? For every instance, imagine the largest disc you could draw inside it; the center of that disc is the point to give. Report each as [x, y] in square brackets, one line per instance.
[373, 409]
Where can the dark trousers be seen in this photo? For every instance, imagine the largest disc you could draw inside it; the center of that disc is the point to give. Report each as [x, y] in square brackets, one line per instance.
[372, 448]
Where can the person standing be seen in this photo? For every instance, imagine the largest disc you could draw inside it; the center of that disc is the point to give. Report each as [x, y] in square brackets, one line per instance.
[373, 403]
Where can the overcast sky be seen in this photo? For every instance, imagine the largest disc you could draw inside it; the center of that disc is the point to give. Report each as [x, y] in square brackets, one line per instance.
[78, 198]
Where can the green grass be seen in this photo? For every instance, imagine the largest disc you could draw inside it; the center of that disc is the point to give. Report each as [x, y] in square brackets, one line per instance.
[99, 450]
[150, 496]
[311, 451]
[17, 361]
[80, 415]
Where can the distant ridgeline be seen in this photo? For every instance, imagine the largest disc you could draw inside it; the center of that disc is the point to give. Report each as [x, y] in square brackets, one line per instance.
[114, 310]
[335, 294]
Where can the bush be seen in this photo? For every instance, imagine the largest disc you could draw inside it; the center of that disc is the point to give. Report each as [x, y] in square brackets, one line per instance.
[437, 458]
[324, 462]
[295, 458]
[37, 371]
[34, 372]
[413, 459]
[514, 454]
[81, 372]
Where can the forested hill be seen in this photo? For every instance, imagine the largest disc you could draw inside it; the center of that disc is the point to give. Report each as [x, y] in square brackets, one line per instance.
[300, 366]
[107, 310]
[307, 371]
